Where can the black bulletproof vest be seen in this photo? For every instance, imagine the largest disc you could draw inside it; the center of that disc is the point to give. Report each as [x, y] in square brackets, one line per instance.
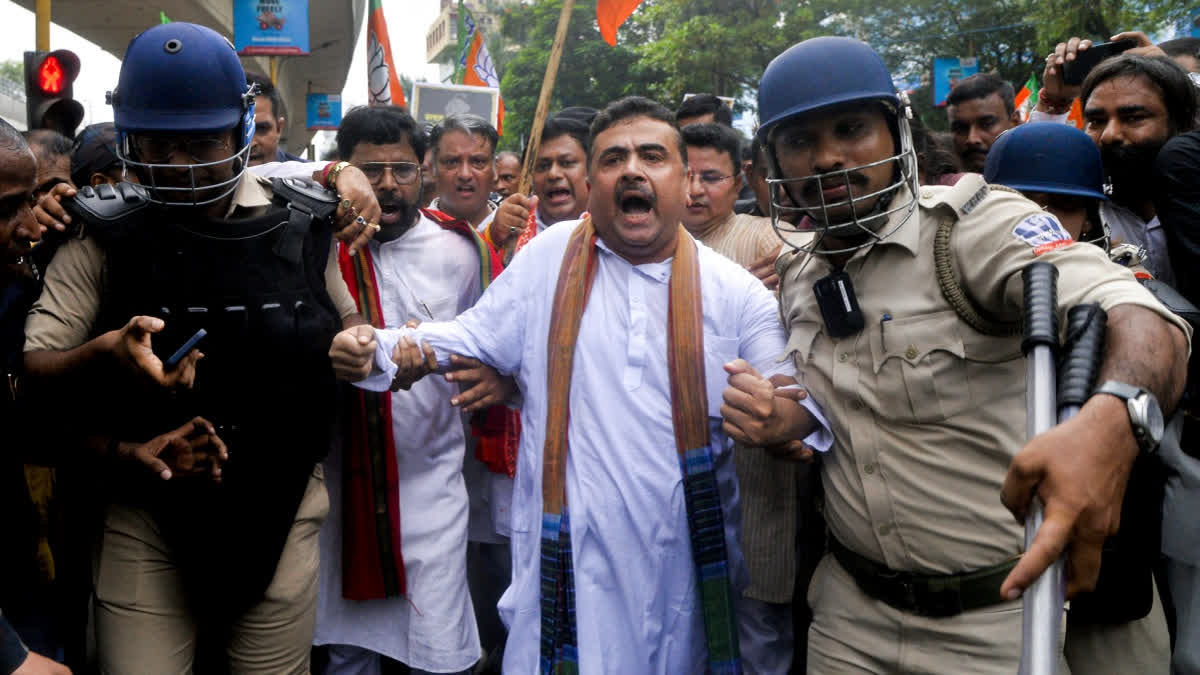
[256, 285]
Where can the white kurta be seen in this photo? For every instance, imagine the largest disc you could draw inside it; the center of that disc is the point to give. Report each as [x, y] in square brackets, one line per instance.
[636, 601]
[429, 273]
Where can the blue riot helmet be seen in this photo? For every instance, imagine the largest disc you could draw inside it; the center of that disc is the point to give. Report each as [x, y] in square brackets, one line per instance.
[1052, 158]
[814, 75]
[180, 84]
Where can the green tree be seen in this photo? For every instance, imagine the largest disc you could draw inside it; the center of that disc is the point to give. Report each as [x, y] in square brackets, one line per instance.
[716, 46]
[13, 70]
[1101, 19]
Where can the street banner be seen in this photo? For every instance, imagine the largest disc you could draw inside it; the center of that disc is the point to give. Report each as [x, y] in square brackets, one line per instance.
[270, 27]
[434, 102]
[323, 111]
[948, 72]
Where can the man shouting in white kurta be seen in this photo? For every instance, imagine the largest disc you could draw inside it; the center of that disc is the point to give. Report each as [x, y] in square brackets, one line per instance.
[622, 332]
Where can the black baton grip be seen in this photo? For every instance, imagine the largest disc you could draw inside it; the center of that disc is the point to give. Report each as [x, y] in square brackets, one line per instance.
[1082, 353]
[1041, 306]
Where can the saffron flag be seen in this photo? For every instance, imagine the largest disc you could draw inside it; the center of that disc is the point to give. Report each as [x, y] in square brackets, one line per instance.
[475, 63]
[1027, 98]
[610, 14]
[383, 85]
[1076, 115]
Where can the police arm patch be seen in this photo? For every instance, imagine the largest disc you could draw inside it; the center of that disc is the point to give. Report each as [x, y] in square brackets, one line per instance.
[1043, 232]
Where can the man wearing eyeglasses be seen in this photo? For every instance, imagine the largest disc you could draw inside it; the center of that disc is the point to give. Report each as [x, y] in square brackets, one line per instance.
[404, 596]
[768, 483]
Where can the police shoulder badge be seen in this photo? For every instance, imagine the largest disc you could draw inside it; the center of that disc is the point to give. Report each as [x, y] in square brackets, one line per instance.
[1043, 232]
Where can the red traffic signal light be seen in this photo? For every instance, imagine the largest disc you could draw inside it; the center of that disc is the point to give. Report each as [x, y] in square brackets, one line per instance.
[49, 102]
[50, 76]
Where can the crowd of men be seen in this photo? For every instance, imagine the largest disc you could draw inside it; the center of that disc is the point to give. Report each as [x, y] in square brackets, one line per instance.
[694, 404]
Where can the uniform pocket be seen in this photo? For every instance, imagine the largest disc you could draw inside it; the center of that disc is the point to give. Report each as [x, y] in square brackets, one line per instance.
[919, 368]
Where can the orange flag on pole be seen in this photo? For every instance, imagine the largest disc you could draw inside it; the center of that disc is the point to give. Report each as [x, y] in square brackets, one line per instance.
[383, 86]
[478, 68]
[610, 14]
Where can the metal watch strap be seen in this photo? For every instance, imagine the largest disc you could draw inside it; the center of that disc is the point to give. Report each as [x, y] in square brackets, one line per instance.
[1127, 392]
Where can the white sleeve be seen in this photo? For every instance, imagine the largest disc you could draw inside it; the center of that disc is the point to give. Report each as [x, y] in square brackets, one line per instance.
[1039, 116]
[492, 331]
[286, 169]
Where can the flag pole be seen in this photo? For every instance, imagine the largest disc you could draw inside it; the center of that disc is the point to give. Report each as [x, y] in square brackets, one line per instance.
[543, 106]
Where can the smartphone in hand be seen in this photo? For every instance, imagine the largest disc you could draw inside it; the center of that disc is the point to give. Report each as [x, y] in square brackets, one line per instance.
[1075, 71]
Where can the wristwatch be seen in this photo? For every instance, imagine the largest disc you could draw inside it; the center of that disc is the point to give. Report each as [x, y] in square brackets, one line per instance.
[1145, 416]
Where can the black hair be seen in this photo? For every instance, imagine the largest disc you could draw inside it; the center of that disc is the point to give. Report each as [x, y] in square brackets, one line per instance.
[379, 125]
[1178, 93]
[705, 104]
[718, 137]
[471, 125]
[934, 158]
[629, 108]
[1184, 46]
[11, 139]
[982, 85]
[267, 89]
[48, 143]
[559, 126]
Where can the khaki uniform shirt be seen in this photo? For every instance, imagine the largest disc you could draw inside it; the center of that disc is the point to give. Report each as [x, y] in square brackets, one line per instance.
[65, 314]
[926, 412]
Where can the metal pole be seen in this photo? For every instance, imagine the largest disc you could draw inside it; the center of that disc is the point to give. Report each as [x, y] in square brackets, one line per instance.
[42, 21]
[1043, 600]
[274, 61]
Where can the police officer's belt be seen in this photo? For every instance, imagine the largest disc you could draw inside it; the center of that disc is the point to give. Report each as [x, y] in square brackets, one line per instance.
[936, 595]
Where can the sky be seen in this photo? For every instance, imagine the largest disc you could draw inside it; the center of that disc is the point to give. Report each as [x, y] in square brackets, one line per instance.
[407, 22]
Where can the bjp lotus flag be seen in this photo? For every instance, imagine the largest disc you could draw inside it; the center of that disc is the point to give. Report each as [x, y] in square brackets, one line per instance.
[610, 14]
[383, 87]
[477, 66]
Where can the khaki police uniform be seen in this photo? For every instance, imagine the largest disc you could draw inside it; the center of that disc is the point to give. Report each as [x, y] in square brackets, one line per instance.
[141, 614]
[927, 414]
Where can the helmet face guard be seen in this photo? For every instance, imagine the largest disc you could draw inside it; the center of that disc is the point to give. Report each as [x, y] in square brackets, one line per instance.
[866, 222]
[192, 194]
[213, 96]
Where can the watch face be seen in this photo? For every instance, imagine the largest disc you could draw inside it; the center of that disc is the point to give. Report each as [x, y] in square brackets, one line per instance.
[1150, 416]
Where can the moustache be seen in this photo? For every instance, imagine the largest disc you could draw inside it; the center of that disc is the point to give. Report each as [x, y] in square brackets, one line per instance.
[814, 186]
[626, 192]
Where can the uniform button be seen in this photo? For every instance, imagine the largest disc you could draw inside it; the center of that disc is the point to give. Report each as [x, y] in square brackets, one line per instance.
[885, 529]
[869, 469]
[843, 356]
[926, 194]
[911, 352]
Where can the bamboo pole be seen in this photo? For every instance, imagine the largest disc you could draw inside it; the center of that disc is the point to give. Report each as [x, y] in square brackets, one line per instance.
[543, 107]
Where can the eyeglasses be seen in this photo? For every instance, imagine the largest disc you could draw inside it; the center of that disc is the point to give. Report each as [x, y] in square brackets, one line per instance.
[201, 149]
[404, 173]
[711, 177]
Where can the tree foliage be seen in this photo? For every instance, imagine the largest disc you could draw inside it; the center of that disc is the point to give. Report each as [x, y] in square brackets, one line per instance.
[591, 73]
[673, 47]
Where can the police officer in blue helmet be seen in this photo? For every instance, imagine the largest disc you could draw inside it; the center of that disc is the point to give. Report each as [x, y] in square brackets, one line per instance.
[1059, 168]
[900, 302]
[213, 492]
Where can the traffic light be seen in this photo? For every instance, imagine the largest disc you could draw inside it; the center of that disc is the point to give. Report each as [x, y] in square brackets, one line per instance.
[49, 80]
